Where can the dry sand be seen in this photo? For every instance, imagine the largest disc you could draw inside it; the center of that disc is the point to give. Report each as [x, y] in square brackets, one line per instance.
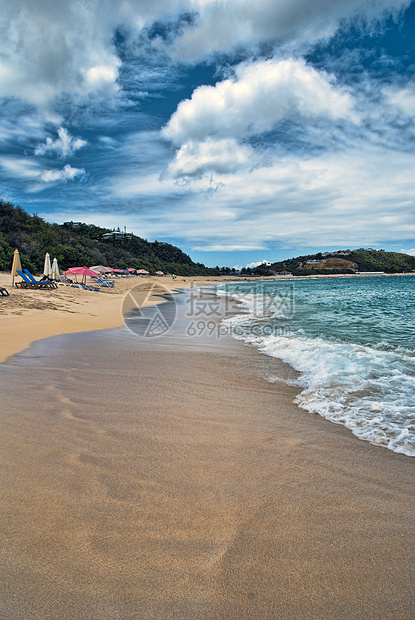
[29, 315]
[167, 479]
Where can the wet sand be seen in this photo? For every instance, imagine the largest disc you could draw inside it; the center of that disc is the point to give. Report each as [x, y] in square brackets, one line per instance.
[166, 478]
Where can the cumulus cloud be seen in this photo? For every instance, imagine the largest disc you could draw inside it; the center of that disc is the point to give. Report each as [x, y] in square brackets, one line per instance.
[63, 146]
[411, 252]
[223, 156]
[207, 127]
[259, 96]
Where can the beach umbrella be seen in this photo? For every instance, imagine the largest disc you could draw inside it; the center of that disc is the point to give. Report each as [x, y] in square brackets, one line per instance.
[55, 269]
[159, 273]
[82, 271]
[16, 265]
[130, 269]
[47, 268]
[143, 271]
[101, 269]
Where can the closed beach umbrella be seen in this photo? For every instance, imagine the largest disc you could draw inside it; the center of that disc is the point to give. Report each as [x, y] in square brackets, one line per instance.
[16, 265]
[55, 269]
[47, 269]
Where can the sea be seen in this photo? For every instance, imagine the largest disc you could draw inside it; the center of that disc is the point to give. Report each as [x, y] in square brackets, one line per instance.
[351, 341]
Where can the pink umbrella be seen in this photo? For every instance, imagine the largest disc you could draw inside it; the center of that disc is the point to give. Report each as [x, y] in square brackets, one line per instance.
[130, 269]
[82, 271]
[143, 271]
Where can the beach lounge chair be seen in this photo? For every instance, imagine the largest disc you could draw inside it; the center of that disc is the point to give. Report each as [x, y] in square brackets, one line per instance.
[88, 287]
[103, 282]
[66, 281]
[33, 279]
[27, 283]
[4, 292]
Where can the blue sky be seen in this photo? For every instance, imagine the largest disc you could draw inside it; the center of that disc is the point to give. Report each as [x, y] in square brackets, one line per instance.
[238, 131]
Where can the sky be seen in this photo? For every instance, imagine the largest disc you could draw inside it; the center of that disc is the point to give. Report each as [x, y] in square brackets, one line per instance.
[239, 131]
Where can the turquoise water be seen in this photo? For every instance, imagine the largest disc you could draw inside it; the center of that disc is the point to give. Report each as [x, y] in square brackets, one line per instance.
[351, 339]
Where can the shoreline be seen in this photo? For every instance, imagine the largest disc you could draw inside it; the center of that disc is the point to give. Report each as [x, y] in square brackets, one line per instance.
[167, 478]
[28, 316]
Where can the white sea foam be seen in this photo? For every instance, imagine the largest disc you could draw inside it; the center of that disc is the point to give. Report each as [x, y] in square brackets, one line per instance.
[368, 389]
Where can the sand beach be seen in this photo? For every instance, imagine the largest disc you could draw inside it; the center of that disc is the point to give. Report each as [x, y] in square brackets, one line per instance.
[29, 315]
[161, 478]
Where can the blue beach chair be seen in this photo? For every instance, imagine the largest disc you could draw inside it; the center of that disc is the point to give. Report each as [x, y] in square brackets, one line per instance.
[103, 282]
[33, 279]
[28, 283]
[88, 287]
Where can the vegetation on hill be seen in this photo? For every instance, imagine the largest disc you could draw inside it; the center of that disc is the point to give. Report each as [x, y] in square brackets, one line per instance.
[346, 261]
[76, 244]
[83, 244]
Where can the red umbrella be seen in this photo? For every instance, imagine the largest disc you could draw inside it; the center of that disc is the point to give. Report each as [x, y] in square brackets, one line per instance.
[82, 271]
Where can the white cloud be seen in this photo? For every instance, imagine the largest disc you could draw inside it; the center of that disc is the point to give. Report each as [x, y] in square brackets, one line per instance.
[67, 173]
[207, 127]
[411, 252]
[223, 156]
[48, 48]
[27, 169]
[20, 168]
[261, 262]
[349, 186]
[401, 100]
[259, 96]
[229, 24]
[352, 198]
[64, 145]
[102, 75]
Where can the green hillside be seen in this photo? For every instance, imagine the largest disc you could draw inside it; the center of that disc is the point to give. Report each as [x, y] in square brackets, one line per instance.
[83, 244]
[346, 261]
